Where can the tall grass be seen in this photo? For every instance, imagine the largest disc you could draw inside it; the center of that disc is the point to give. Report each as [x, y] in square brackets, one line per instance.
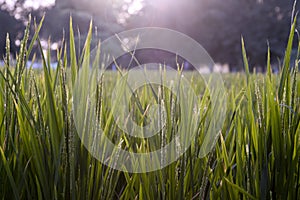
[41, 156]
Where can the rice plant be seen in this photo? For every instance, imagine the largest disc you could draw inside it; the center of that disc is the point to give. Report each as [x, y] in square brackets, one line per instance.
[41, 156]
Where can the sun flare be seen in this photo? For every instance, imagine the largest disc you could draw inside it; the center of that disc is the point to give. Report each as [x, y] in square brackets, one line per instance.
[135, 7]
[132, 7]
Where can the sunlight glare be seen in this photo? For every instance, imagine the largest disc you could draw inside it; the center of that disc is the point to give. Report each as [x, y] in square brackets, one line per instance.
[10, 3]
[135, 7]
[35, 4]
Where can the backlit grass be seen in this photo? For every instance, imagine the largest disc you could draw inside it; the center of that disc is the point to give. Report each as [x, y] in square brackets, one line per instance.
[41, 157]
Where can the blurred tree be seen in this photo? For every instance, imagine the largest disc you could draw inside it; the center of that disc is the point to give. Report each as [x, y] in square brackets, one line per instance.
[216, 24]
[8, 24]
[57, 18]
[57, 21]
[13, 18]
[219, 24]
[82, 11]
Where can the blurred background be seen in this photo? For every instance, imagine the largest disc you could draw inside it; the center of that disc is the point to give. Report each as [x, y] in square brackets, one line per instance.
[216, 24]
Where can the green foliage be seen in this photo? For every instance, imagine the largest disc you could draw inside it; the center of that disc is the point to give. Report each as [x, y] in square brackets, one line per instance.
[41, 157]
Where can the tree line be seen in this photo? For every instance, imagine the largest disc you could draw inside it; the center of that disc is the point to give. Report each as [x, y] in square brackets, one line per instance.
[216, 24]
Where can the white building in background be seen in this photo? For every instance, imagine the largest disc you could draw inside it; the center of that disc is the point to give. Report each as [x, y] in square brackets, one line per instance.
[219, 68]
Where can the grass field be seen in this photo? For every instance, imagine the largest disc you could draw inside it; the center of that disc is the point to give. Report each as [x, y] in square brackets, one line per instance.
[256, 156]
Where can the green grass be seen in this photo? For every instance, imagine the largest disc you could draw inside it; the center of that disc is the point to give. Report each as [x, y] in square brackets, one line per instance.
[257, 155]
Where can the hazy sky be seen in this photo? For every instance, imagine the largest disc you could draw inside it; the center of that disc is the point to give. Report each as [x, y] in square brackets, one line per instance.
[30, 3]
